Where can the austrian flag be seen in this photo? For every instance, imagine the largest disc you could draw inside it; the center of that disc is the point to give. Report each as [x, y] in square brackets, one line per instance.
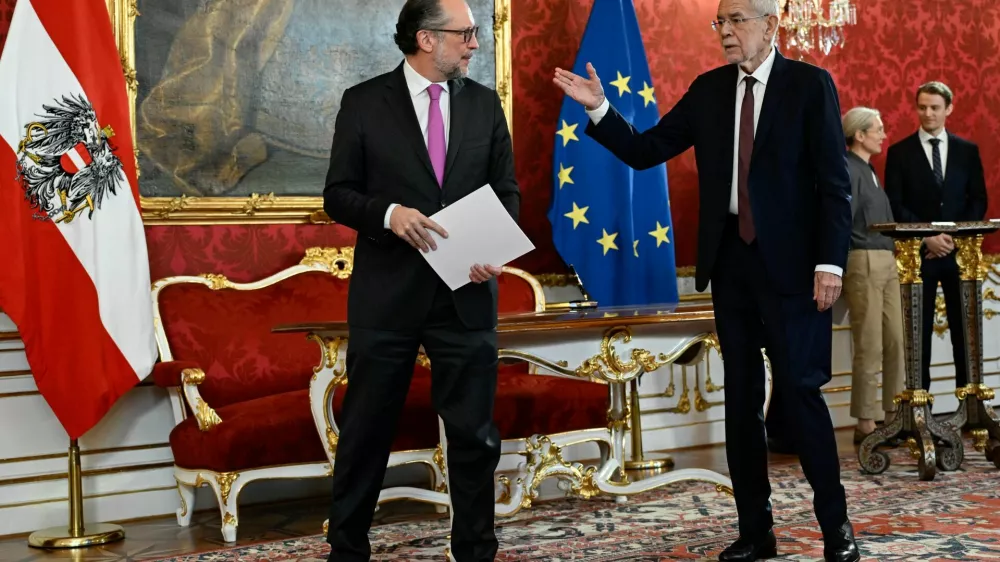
[74, 273]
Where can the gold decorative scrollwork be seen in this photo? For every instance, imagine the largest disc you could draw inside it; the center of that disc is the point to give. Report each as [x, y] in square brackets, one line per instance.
[332, 439]
[330, 356]
[971, 265]
[609, 366]
[505, 495]
[908, 260]
[255, 202]
[338, 261]
[192, 376]
[919, 397]
[711, 342]
[940, 324]
[979, 439]
[229, 519]
[206, 416]
[225, 481]
[217, 281]
[545, 460]
[439, 462]
[684, 402]
[980, 391]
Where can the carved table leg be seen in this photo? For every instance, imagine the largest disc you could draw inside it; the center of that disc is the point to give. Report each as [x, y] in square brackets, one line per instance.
[618, 413]
[913, 419]
[974, 413]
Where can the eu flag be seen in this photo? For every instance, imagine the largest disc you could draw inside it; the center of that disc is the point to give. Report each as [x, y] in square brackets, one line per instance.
[610, 222]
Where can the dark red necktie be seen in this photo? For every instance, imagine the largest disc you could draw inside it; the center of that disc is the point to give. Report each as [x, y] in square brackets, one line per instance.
[747, 232]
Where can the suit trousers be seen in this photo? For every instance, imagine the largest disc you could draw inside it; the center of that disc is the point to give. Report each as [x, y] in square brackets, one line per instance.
[750, 316]
[944, 271]
[871, 288]
[463, 386]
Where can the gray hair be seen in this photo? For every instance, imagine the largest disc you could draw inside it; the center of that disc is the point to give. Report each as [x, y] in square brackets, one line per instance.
[765, 7]
[858, 119]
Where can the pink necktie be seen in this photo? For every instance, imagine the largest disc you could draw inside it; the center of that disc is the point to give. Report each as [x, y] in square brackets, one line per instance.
[435, 132]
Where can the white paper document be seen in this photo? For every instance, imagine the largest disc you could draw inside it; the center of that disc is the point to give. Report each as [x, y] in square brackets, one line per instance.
[479, 232]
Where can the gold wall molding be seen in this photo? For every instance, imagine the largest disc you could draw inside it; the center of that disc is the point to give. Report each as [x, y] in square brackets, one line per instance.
[86, 473]
[85, 452]
[87, 497]
[267, 208]
[10, 336]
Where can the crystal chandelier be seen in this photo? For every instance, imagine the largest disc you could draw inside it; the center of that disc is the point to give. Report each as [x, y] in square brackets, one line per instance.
[807, 28]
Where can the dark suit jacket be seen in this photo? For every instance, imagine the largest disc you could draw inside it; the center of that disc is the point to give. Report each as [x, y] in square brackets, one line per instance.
[379, 157]
[914, 192]
[799, 185]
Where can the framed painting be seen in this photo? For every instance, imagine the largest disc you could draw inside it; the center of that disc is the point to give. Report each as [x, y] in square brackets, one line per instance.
[233, 102]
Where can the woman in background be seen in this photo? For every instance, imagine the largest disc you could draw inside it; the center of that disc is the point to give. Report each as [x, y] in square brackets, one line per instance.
[871, 282]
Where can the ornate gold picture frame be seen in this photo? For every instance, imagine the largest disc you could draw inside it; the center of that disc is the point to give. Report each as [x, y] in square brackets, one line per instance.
[262, 207]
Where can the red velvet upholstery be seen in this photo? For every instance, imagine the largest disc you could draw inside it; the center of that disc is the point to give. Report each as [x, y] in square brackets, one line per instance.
[169, 374]
[228, 334]
[529, 404]
[514, 294]
[279, 429]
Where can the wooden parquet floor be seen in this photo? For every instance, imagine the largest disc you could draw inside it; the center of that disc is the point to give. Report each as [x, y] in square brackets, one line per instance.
[161, 537]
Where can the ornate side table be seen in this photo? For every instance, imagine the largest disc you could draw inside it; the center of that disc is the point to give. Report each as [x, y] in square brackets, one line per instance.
[932, 443]
[974, 413]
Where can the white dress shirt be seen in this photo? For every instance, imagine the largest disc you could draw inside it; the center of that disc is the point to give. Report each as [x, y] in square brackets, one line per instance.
[762, 74]
[417, 85]
[925, 142]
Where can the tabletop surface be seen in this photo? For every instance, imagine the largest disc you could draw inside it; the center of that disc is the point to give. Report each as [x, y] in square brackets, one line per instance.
[599, 317]
[920, 229]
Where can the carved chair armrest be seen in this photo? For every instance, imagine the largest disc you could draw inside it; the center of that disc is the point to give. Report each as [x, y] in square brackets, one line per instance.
[169, 374]
[188, 376]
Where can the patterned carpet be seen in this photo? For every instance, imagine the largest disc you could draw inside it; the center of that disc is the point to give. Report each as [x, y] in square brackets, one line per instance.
[895, 515]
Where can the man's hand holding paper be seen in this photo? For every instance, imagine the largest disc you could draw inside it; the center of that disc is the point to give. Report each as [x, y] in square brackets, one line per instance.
[480, 235]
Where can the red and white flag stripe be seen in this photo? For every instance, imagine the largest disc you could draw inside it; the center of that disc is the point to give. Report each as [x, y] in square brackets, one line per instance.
[78, 290]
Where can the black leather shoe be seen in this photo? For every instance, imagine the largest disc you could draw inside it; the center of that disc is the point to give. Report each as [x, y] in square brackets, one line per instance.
[840, 546]
[747, 550]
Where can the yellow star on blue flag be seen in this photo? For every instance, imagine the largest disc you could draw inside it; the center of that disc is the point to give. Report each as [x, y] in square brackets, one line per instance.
[623, 207]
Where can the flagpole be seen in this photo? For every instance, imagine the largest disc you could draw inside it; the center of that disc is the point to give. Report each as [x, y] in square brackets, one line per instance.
[76, 535]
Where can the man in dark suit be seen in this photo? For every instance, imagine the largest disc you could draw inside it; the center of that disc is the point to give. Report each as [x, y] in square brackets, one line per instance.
[932, 176]
[774, 227]
[407, 144]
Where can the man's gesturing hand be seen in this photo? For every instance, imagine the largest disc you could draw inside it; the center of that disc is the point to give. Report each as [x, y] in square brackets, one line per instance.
[826, 289]
[411, 225]
[587, 91]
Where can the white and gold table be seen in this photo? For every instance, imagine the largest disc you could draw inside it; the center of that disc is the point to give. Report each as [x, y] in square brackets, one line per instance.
[610, 346]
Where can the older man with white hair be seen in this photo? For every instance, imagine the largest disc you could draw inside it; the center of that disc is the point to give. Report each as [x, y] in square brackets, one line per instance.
[773, 234]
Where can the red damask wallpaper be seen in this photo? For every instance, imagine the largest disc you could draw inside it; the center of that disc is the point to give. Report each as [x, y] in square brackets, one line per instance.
[240, 252]
[895, 47]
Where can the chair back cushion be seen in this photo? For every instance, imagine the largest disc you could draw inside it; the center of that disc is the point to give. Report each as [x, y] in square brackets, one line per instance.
[228, 333]
[518, 291]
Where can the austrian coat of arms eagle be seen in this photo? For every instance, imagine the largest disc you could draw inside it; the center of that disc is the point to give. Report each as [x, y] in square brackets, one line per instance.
[65, 162]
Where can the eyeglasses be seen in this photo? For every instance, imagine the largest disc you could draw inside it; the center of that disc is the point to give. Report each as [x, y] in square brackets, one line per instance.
[718, 24]
[467, 33]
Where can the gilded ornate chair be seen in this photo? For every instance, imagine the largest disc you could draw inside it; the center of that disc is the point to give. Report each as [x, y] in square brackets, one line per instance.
[240, 393]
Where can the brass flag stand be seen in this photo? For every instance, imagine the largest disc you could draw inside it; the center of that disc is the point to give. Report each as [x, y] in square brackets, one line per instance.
[638, 461]
[76, 535]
